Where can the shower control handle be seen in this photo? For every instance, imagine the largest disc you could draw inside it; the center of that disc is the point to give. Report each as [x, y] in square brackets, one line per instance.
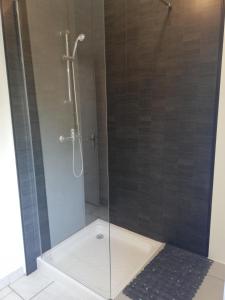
[63, 139]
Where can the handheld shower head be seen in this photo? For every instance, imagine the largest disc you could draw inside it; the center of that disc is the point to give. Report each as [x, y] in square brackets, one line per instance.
[80, 38]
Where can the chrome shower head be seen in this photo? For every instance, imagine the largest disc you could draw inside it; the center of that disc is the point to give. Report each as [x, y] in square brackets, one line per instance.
[80, 38]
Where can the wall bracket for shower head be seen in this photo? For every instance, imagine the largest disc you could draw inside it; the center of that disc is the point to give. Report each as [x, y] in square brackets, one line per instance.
[81, 37]
[168, 3]
[64, 32]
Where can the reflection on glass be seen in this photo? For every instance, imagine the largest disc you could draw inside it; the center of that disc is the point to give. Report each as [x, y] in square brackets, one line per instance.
[68, 54]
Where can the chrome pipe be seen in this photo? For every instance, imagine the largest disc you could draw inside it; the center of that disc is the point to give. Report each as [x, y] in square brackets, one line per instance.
[65, 57]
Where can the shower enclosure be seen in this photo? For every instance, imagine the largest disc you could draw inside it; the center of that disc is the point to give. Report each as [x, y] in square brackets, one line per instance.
[67, 47]
[59, 46]
[148, 70]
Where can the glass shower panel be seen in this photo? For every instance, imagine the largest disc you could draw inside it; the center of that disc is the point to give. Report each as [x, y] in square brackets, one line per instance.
[68, 54]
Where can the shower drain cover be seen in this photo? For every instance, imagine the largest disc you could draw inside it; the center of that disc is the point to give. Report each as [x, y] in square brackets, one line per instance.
[100, 236]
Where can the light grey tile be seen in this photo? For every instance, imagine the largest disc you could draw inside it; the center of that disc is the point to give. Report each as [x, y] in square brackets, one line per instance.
[122, 297]
[56, 292]
[29, 286]
[12, 296]
[211, 289]
[4, 292]
[217, 270]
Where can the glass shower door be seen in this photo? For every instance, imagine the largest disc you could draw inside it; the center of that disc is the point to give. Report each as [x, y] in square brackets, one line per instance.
[68, 54]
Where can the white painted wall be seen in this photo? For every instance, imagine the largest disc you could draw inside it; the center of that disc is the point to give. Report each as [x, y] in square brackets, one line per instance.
[11, 241]
[217, 234]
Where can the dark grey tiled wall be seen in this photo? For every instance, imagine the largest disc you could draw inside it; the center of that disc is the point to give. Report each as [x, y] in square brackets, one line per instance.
[162, 72]
[26, 135]
[101, 102]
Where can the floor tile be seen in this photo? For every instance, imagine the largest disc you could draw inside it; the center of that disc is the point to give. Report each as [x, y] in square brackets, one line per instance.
[4, 292]
[12, 296]
[28, 286]
[217, 270]
[122, 297]
[211, 289]
[56, 291]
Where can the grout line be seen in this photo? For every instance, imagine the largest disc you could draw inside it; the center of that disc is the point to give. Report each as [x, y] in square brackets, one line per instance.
[215, 276]
[34, 294]
[15, 292]
[42, 290]
[202, 284]
[8, 293]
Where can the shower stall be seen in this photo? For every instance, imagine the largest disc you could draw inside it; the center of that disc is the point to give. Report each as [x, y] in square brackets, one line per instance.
[67, 48]
[61, 50]
[114, 105]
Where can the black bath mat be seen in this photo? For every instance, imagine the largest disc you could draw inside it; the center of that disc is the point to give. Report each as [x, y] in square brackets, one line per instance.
[174, 274]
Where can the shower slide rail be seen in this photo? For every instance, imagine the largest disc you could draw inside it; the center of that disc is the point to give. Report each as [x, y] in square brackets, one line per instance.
[75, 133]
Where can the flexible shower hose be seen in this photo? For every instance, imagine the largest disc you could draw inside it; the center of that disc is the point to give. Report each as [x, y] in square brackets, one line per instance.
[77, 133]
